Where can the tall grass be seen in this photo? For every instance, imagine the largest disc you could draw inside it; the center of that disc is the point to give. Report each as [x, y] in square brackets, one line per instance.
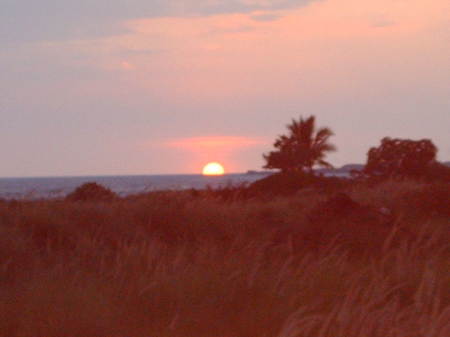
[171, 264]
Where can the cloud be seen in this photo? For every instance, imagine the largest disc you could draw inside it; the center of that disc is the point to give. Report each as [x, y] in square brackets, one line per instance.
[204, 7]
[231, 30]
[24, 20]
[382, 20]
[198, 151]
[214, 143]
[266, 17]
[125, 65]
[383, 23]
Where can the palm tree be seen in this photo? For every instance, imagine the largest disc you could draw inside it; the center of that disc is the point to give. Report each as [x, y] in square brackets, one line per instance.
[302, 149]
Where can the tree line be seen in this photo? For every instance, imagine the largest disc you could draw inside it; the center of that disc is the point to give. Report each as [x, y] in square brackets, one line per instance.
[306, 146]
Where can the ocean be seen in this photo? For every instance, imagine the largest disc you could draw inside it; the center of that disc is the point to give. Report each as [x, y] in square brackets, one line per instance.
[57, 187]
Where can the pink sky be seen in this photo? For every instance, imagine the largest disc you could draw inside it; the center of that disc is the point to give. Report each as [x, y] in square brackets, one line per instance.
[168, 93]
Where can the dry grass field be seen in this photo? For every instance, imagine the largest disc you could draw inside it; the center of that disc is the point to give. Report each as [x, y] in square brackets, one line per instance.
[374, 262]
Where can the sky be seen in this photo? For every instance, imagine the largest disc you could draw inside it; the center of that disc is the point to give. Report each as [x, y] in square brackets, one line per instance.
[116, 87]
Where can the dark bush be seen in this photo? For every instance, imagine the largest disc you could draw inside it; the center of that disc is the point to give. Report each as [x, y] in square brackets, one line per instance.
[287, 183]
[433, 199]
[91, 192]
[279, 183]
[341, 208]
[357, 226]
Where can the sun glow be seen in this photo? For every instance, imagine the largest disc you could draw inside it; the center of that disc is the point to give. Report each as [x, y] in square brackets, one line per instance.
[213, 169]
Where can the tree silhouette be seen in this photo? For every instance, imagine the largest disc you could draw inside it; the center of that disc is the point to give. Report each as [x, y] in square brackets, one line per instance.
[400, 157]
[302, 149]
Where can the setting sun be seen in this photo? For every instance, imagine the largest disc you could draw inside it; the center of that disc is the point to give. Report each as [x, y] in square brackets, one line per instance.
[213, 169]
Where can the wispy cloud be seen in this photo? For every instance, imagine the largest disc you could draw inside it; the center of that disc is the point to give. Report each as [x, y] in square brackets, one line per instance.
[383, 22]
[265, 17]
[214, 142]
[24, 20]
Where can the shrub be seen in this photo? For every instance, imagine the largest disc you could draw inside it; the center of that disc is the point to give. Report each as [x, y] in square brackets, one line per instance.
[433, 199]
[359, 227]
[287, 183]
[91, 192]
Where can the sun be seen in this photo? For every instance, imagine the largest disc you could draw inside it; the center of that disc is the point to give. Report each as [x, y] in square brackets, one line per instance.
[213, 169]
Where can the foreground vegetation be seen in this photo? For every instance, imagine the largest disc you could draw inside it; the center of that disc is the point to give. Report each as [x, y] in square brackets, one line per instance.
[355, 261]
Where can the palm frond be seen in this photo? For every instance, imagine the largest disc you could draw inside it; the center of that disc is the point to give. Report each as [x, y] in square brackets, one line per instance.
[324, 163]
[323, 134]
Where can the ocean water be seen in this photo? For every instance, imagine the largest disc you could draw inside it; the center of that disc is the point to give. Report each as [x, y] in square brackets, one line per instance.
[55, 187]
